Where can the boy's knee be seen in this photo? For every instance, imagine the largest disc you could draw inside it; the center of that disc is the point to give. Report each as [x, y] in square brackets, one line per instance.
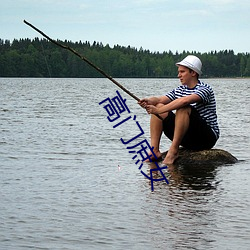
[184, 110]
[159, 105]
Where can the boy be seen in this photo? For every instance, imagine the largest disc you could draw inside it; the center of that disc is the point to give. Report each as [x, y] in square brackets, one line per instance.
[194, 125]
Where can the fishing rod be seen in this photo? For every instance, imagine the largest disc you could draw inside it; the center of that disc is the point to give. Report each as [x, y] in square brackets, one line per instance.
[87, 61]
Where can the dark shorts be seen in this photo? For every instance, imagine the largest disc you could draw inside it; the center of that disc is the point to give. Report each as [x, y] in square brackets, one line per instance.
[199, 135]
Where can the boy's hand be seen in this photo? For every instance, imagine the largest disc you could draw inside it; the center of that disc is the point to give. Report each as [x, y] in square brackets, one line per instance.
[151, 109]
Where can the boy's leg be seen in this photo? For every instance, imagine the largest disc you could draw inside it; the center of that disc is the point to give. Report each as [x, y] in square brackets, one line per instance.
[156, 128]
[199, 135]
[181, 126]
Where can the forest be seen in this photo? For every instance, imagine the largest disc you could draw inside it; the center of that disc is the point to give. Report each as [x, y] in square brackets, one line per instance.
[41, 58]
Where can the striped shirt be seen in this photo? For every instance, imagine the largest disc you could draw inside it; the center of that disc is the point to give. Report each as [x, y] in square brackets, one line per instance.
[206, 108]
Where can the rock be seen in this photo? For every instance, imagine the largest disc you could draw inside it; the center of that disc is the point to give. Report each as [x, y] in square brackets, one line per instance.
[204, 157]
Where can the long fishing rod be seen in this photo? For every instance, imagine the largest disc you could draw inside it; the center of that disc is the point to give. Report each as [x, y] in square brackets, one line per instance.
[87, 61]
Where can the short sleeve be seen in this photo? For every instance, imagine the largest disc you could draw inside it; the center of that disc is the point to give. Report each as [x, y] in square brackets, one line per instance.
[204, 93]
[172, 95]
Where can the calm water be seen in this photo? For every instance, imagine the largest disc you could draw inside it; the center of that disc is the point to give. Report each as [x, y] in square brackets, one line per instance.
[61, 187]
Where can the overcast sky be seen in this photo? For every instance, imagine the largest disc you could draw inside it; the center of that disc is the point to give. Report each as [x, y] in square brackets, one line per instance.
[157, 25]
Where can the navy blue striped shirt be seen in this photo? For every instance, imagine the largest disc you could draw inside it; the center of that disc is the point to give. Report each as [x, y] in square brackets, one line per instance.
[206, 108]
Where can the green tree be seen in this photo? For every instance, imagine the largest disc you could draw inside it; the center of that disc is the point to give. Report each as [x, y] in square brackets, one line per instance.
[247, 69]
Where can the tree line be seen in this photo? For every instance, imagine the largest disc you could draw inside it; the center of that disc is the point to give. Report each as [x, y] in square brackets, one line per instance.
[40, 58]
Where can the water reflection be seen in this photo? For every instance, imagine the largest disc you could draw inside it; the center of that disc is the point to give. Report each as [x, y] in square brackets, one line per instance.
[183, 207]
[59, 175]
[190, 177]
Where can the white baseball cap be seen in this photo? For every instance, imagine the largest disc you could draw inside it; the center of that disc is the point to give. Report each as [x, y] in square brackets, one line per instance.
[191, 62]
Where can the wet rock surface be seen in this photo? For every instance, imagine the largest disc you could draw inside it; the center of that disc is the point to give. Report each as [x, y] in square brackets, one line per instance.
[204, 157]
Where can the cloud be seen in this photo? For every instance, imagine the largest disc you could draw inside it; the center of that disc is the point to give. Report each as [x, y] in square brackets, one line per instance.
[221, 2]
[152, 24]
[225, 5]
[148, 2]
[83, 6]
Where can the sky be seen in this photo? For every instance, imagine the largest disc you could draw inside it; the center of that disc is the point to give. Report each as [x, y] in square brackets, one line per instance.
[155, 25]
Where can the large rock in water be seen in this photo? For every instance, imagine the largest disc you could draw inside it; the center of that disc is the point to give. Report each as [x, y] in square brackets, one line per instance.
[205, 157]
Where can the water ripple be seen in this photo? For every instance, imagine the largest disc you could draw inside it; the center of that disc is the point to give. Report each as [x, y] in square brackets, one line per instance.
[61, 187]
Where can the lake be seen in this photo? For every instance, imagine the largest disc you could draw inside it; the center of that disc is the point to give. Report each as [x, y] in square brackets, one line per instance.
[68, 182]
